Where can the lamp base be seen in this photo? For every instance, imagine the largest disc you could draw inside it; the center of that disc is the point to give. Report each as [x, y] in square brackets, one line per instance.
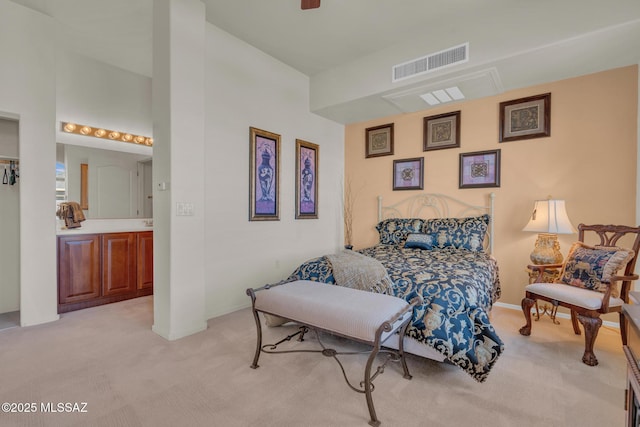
[547, 250]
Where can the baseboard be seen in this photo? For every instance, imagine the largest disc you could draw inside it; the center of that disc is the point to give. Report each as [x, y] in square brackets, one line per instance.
[560, 315]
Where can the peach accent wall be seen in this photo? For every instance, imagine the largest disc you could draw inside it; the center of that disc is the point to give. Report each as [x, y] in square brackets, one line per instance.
[589, 160]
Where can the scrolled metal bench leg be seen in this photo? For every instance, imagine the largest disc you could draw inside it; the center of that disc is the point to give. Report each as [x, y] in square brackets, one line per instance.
[368, 387]
[255, 365]
[403, 360]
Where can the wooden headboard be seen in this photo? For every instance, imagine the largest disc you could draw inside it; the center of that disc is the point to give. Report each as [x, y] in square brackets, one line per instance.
[433, 205]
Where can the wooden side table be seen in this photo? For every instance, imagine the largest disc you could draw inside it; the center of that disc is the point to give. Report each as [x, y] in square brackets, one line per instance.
[548, 276]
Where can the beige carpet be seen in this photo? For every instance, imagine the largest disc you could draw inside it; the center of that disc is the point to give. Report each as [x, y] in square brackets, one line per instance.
[128, 376]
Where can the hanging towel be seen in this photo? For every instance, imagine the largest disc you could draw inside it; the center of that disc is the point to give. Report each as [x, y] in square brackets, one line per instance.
[71, 213]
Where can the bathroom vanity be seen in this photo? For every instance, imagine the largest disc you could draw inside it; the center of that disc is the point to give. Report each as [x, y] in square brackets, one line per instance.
[104, 262]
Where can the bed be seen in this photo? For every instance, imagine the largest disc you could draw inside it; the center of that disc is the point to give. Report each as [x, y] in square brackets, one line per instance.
[439, 248]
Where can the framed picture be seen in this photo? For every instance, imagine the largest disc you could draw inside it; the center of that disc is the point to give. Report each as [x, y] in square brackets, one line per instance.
[441, 131]
[525, 118]
[264, 175]
[379, 141]
[307, 157]
[480, 169]
[408, 174]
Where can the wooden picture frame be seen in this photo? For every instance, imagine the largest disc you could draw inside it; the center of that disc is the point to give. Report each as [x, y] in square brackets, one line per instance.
[307, 167]
[525, 118]
[408, 174]
[441, 131]
[379, 141]
[480, 169]
[84, 186]
[264, 175]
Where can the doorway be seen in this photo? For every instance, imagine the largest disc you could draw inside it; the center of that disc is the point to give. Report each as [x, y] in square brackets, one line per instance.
[145, 189]
[10, 225]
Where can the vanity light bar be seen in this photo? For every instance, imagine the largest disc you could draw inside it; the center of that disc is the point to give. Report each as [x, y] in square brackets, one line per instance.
[113, 135]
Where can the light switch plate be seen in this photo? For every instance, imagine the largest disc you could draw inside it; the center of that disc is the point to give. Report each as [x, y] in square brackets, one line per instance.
[184, 209]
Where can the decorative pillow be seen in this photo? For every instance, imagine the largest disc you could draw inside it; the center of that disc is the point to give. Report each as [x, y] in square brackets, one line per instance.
[460, 233]
[420, 241]
[590, 267]
[394, 231]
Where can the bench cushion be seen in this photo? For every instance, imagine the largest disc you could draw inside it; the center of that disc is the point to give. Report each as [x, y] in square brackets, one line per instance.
[349, 312]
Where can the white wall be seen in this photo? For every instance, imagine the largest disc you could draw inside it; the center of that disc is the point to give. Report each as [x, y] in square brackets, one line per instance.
[32, 70]
[97, 94]
[8, 138]
[245, 87]
[27, 85]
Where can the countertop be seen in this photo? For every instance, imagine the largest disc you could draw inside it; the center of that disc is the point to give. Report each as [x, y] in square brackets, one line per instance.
[106, 226]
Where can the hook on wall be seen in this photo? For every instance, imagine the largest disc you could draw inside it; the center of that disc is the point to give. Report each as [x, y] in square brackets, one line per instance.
[10, 176]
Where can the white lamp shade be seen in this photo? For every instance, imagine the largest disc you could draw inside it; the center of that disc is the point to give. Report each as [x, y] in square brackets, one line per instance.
[550, 216]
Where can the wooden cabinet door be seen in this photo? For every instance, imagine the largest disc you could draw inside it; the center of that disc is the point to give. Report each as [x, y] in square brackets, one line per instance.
[118, 263]
[145, 260]
[78, 268]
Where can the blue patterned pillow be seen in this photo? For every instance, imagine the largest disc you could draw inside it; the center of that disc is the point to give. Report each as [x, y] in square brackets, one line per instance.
[419, 241]
[460, 233]
[588, 266]
[394, 231]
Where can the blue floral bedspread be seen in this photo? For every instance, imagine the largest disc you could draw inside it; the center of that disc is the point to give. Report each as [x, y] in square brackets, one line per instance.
[458, 287]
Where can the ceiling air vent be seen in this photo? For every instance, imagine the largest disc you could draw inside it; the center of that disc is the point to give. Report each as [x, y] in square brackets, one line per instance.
[434, 61]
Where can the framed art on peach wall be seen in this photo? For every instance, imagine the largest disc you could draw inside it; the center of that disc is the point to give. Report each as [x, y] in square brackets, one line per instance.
[525, 118]
[408, 174]
[441, 131]
[480, 169]
[307, 158]
[379, 141]
[264, 175]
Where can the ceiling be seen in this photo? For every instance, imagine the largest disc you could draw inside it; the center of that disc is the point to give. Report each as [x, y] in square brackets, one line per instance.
[513, 43]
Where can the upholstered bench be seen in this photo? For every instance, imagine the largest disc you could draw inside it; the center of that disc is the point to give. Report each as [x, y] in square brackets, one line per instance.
[362, 316]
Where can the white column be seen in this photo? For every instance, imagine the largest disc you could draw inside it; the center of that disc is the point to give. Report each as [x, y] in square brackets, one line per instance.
[178, 167]
[28, 88]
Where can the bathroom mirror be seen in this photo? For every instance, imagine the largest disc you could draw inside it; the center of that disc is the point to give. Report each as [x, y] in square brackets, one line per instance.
[109, 184]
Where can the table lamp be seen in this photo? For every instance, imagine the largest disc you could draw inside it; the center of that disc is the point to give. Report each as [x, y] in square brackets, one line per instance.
[549, 218]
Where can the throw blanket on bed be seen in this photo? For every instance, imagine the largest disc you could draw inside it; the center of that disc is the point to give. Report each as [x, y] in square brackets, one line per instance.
[354, 270]
[458, 288]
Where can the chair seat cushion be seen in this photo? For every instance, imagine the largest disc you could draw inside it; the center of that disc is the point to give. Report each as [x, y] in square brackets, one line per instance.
[580, 297]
